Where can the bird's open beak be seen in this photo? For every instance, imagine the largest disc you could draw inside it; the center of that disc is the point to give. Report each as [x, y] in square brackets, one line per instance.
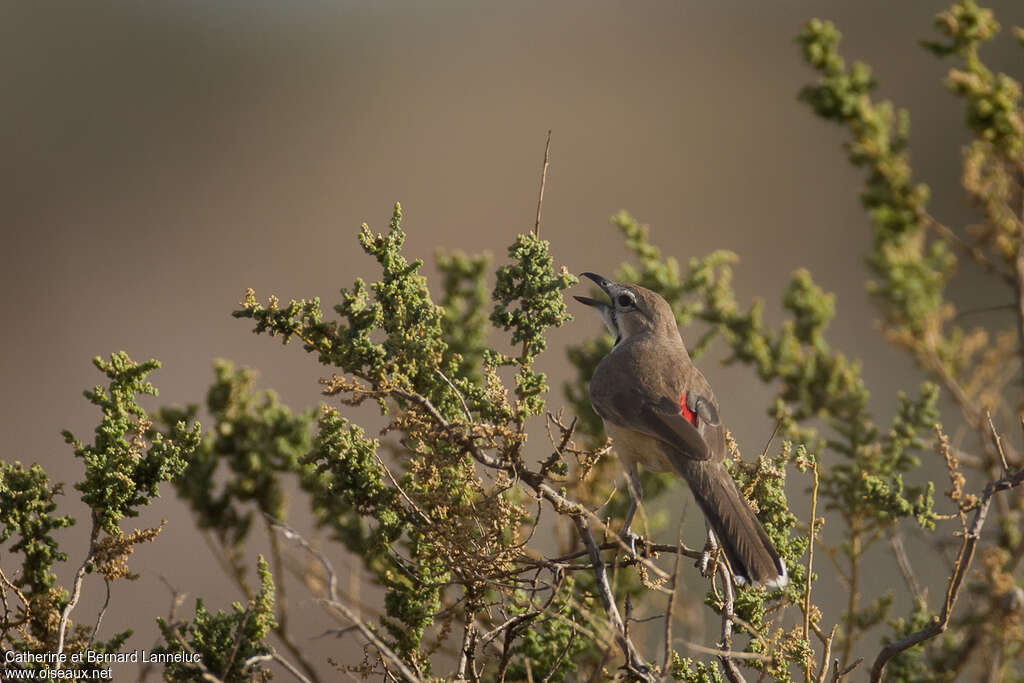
[604, 283]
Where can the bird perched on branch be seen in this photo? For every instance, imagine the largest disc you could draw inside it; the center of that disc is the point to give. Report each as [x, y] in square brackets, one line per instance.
[661, 413]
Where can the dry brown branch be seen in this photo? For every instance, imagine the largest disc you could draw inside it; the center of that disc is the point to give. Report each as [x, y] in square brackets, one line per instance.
[634, 662]
[466, 651]
[654, 548]
[826, 655]
[960, 568]
[76, 592]
[732, 672]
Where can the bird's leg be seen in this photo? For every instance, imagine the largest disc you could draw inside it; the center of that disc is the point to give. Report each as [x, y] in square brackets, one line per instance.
[710, 546]
[635, 494]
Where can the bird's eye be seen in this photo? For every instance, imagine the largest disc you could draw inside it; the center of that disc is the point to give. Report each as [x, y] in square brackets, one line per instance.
[625, 300]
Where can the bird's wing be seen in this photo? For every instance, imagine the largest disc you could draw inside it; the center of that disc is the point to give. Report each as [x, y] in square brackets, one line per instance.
[651, 408]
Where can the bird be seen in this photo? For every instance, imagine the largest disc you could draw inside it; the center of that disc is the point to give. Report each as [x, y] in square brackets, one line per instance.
[661, 413]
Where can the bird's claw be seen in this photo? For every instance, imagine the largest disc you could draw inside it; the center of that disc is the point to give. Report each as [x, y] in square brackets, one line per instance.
[704, 564]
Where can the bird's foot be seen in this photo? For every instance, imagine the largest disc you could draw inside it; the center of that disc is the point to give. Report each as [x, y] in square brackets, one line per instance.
[708, 562]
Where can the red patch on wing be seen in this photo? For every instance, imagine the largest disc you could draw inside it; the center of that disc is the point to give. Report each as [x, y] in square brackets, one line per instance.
[687, 414]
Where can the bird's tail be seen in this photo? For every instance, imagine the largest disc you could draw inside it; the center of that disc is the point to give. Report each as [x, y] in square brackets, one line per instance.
[750, 552]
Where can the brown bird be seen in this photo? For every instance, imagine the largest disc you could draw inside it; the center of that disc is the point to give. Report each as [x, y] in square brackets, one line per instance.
[661, 413]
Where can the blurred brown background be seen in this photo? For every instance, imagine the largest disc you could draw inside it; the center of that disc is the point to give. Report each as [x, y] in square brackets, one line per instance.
[158, 158]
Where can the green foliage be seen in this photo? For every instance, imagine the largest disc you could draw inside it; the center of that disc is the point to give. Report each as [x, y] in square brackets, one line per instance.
[685, 669]
[121, 472]
[226, 641]
[553, 643]
[528, 301]
[26, 507]
[911, 665]
[993, 100]
[912, 258]
[348, 485]
[443, 507]
[413, 348]
[255, 439]
[434, 520]
[912, 272]
[465, 317]
[763, 482]
[26, 504]
[123, 469]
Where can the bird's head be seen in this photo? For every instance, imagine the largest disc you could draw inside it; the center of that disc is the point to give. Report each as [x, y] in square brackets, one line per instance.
[633, 310]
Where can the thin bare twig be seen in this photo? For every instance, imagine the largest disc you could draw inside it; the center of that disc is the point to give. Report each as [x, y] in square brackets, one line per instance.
[385, 651]
[103, 611]
[906, 569]
[655, 548]
[543, 181]
[839, 674]
[997, 440]
[561, 656]
[670, 610]
[508, 623]
[333, 602]
[732, 654]
[458, 394]
[177, 597]
[281, 629]
[275, 657]
[394, 482]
